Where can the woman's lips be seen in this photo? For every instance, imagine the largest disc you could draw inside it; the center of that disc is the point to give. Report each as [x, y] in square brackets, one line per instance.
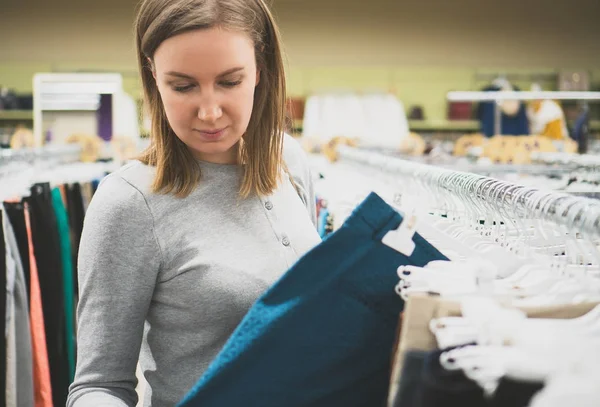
[213, 134]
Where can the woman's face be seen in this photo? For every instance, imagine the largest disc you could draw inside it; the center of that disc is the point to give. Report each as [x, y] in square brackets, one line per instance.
[206, 79]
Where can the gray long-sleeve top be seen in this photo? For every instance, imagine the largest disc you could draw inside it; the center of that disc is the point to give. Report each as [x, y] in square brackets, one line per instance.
[169, 279]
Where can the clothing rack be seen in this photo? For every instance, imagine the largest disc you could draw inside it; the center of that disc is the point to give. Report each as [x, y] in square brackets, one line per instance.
[468, 96]
[577, 214]
[57, 153]
[582, 161]
[542, 169]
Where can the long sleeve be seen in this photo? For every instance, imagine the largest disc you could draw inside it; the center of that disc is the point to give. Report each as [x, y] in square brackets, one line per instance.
[119, 259]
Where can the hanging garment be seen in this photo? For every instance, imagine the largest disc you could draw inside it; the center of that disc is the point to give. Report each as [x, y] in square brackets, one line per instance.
[86, 192]
[47, 250]
[19, 357]
[76, 215]
[446, 388]
[386, 123]
[64, 232]
[411, 384]
[323, 334]
[16, 216]
[420, 309]
[41, 369]
[547, 119]
[63, 194]
[3, 299]
[514, 393]
[515, 125]
[95, 184]
[11, 363]
[434, 386]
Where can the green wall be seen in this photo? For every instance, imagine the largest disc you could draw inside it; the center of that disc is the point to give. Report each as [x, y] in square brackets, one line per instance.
[425, 86]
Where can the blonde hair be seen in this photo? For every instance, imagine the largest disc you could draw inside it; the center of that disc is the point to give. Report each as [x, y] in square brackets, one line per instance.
[261, 148]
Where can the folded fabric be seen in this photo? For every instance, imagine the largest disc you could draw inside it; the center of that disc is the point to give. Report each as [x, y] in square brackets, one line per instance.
[323, 334]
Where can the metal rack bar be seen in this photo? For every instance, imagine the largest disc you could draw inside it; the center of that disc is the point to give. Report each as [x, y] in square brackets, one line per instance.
[467, 96]
[578, 214]
[585, 161]
[61, 153]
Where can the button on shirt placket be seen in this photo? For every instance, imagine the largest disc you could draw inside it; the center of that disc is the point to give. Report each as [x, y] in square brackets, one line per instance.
[285, 240]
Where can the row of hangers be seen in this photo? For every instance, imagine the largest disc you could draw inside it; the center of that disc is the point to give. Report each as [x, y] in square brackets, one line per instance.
[508, 245]
[56, 164]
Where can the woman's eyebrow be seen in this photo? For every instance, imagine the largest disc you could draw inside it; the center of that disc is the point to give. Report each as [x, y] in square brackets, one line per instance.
[179, 75]
[186, 76]
[230, 71]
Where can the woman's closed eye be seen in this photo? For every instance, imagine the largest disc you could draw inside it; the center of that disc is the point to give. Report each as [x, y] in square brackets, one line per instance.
[188, 87]
[182, 88]
[230, 84]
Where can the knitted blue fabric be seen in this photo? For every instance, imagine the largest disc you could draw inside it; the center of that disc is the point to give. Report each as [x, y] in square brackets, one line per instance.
[323, 334]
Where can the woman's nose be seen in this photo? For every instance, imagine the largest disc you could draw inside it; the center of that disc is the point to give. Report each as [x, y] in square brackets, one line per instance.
[209, 112]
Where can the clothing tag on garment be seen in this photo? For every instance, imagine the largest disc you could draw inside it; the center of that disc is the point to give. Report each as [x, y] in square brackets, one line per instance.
[401, 239]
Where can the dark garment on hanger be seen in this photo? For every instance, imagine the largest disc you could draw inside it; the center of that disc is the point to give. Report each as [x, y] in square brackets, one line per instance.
[2, 314]
[95, 184]
[46, 246]
[441, 387]
[323, 334]
[512, 393]
[517, 125]
[425, 383]
[76, 215]
[64, 232]
[410, 379]
[16, 214]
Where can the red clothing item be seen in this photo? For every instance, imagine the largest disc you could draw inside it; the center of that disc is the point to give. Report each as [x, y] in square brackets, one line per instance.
[41, 368]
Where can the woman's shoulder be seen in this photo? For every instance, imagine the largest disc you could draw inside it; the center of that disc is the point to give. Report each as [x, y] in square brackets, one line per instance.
[132, 180]
[136, 174]
[295, 157]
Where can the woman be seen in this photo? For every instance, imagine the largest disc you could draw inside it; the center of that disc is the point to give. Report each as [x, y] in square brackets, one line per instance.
[177, 247]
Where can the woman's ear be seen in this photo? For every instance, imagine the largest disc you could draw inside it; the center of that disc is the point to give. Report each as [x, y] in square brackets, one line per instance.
[257, 77]
[151, 65]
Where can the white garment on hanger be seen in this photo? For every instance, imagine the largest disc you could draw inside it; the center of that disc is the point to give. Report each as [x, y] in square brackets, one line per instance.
[374, 120]
[11, 270]
[312, 117]
[11, 361]
[386, 121]
[126, 116]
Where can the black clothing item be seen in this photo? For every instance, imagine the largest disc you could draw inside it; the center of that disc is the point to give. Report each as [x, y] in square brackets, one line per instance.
[441, 387]
[410, 379]
[16, 215]
[437, 387]
[512, 393]
[46, 244]
[76, 214]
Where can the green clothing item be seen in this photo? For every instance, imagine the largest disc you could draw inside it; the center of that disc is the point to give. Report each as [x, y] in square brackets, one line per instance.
[65, 253]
